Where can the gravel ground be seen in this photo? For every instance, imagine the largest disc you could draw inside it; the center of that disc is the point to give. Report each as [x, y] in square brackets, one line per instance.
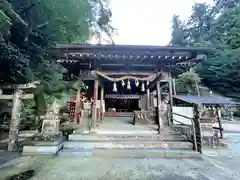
[217, 164]
[134, 169]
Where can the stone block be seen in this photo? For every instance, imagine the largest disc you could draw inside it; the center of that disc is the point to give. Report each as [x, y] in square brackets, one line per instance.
[46, 143]
[130, 153]
[42, 148]
[48, 136]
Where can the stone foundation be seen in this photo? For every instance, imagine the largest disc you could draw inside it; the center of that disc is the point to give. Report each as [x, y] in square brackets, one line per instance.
[42, 148]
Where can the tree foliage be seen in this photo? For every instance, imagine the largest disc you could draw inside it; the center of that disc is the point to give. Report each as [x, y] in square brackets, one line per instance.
[216, 26]
[187, 83]
[29, 28]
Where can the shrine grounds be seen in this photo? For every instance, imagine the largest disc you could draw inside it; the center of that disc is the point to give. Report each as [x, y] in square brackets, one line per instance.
[217, 164]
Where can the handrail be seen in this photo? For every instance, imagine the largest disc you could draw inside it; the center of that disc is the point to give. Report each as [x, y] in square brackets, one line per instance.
[193, 127]
[180, 122]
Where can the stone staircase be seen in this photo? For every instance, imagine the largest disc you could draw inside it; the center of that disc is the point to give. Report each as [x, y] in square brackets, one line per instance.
[169, 144]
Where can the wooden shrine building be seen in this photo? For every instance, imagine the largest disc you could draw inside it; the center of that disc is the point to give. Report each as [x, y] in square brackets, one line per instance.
[127, 72]
[131, 81]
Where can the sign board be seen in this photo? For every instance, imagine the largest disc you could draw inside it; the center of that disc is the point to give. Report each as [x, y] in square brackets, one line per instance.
[86, 74]
[50, 126]
[122, 96]
[87, 105]
[185, 111]
[98, 104]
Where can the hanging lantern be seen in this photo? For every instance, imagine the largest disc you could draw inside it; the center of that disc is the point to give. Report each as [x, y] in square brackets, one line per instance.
[143, 87]
[137, 83]
[123, 83]
[114, 87]
[129, 85]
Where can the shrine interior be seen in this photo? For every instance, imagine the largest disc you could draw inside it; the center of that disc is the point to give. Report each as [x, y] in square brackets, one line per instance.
[117, 101]
[120, 100]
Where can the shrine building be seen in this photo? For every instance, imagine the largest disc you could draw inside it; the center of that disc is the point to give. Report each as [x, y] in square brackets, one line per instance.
[129, 80]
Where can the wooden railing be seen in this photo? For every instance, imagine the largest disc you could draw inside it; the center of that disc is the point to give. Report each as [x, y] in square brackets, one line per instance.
[192, 131]
[192, 126]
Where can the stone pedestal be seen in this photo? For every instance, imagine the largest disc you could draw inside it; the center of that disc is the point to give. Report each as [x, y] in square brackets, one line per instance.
[43, 144]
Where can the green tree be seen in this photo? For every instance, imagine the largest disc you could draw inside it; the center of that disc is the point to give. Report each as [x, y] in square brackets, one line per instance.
[217, 26]
[187, 83]
[29, 28]
[179, 35]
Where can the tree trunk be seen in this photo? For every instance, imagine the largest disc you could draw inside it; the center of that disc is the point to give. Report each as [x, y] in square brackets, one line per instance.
[197, 87]
[15, 121]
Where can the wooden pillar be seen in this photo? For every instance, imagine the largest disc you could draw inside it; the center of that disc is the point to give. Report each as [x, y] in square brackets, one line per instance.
[141, 103]
[170, 94]
[159, 110]
[148, 97]
[218, 117]
[170, 86]
[15, 121]
[174, 86]
[102, 104]
[94, 110]
[151, 100]
[198, 131]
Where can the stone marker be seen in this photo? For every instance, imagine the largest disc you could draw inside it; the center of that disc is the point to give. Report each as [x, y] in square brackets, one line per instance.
[50, 140]
[50, 126]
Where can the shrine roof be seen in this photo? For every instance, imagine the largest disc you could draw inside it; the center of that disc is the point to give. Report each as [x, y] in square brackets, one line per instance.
[121, 48]
[132, 57]
[206, 100]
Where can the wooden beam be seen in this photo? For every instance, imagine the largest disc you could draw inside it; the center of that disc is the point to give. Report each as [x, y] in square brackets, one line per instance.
[154, 82]
[10, 97]
[162, 77]
[128, 73]
[31, 85]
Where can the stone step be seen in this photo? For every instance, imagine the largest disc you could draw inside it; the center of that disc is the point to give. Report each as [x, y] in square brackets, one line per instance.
[94, 137]
[130, 153]
[42, 147]
[131, 144]
[129, 132]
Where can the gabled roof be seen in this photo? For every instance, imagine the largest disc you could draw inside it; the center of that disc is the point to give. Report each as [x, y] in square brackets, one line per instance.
[140, 58]
[206, 100]
[131, 48]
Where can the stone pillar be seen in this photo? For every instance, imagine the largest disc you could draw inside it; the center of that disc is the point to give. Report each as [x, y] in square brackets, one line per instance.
[15, 121]
[159, 105]
[94, 108]
[78, 99]
[148, 98]
[102, 104]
